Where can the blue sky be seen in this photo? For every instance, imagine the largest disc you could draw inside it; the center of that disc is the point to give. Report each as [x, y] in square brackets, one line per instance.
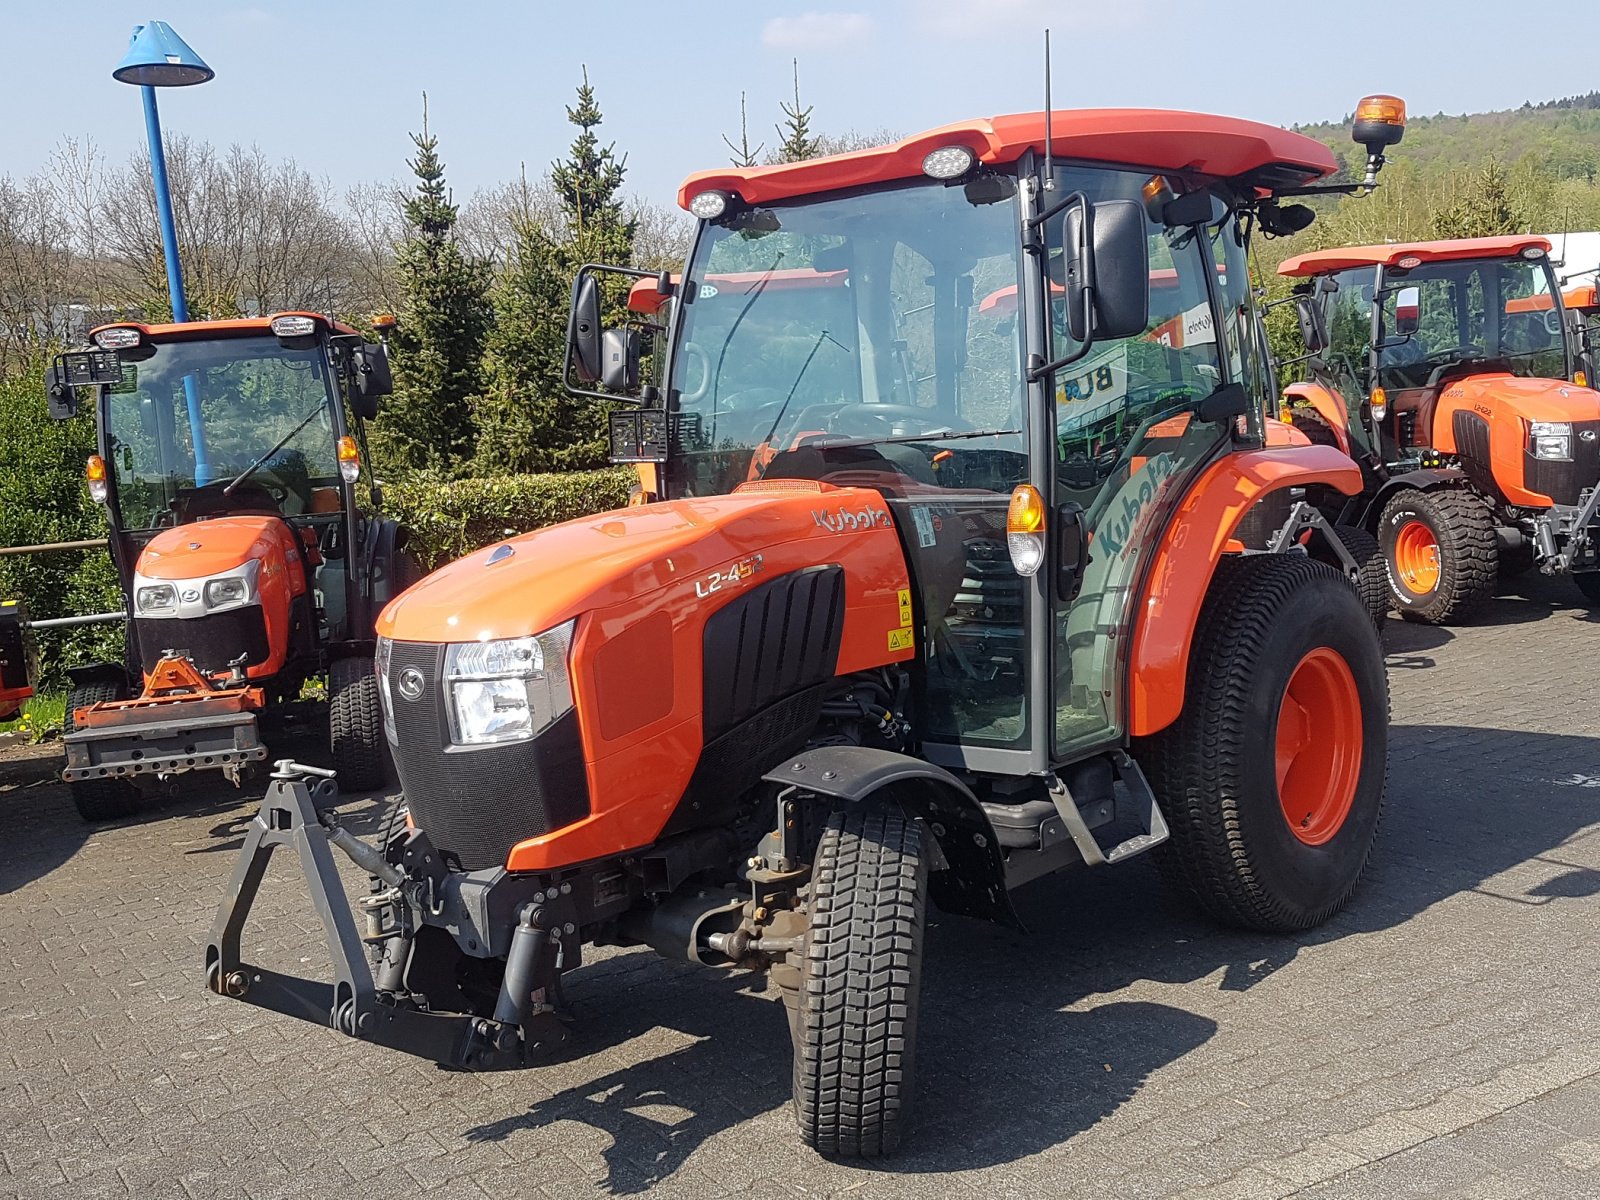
[336, 84]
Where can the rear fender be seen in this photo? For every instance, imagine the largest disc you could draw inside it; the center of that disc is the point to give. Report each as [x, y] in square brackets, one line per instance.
[1327, 404]
[973, 881]
[100, 672]
[1421, 480]
[1194, 542]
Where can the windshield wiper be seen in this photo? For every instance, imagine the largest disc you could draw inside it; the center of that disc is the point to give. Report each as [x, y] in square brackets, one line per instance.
[282, 442]
[949, 435]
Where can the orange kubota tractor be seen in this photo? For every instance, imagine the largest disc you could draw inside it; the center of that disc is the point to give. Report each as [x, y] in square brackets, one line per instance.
[227, 467]
[1451, 372]
[891, 624]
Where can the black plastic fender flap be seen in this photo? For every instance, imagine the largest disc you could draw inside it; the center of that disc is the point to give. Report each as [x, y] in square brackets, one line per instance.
[971, 881]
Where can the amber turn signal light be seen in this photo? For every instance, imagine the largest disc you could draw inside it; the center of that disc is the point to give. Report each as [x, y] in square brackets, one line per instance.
[95, 472]
[349, 459]
[1025, 525]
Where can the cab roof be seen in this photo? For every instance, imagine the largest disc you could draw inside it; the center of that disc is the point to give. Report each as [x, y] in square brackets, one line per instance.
[1150, 138]
[188, 331]
[1320, 262]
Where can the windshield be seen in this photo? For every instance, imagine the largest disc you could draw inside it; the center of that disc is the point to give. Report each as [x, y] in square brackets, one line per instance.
[1496, 312]
[242, 396]
[846, 333]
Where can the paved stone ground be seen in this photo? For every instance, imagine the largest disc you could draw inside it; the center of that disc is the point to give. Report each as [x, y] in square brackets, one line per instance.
[1437, 1039]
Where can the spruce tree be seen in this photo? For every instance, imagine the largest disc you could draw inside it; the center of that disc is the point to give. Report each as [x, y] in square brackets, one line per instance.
[527, 421]
[1483, 207]
[797, 143]
[445, 320]
[743, 155]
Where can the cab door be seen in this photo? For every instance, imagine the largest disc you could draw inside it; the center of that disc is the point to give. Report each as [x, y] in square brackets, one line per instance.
[1128, 439]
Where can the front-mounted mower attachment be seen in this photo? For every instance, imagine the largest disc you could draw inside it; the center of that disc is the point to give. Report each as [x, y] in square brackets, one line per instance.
[183, 721]
[511, 1031]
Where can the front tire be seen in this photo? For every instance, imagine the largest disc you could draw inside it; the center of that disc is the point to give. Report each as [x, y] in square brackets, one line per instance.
[1272, 778]
[856, 1026]
[1589, 584]
[100, 799]
[355, 726]
[1441, 553]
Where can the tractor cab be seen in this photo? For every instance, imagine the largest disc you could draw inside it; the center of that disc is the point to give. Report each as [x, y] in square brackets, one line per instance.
[1455, 365]
[228, 457]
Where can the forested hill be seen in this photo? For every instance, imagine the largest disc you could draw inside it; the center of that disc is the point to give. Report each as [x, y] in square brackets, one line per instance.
[1561, 137]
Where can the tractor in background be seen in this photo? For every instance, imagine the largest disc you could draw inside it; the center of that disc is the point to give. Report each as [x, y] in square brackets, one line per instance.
[228, 458]
[1451, 372]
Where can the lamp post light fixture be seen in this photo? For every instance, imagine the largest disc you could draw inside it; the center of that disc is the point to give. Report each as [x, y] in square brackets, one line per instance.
[158, 57]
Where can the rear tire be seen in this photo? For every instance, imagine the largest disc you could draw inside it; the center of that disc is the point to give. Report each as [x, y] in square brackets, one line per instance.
[355, 723]
[1589, 584]
[100, 799]
[1314, 427]
[1440, 551]
[856, 1026]
[1272, 778]
[1372, 575]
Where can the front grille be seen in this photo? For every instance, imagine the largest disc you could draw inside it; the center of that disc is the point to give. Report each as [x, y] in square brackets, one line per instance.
[213, 641]
[476, 803]
[1565, 482]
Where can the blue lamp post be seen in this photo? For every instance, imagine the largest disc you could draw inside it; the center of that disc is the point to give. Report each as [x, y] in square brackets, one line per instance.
[158, 57]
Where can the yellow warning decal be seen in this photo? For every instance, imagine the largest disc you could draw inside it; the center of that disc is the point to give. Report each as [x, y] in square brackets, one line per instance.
[900, 639]
[905, 608]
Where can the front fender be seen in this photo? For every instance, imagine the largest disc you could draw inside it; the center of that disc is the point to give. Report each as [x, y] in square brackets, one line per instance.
[1194, 542]
[974, 884]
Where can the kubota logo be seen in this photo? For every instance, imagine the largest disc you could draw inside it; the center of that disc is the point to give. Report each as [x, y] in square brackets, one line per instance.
[410, 684]
[845, 520]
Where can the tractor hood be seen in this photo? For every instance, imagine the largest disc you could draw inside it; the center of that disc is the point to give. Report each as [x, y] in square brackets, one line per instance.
[206, 548]
[1530, 399]
[531, 583]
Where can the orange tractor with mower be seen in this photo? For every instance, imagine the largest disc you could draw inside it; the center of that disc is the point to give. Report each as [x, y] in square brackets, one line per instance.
[899, 617]
[227, 466]
[1453, 374]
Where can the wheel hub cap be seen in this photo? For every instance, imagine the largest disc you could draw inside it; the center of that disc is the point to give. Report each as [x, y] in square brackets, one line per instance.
[1416, 558]
[1318, 744]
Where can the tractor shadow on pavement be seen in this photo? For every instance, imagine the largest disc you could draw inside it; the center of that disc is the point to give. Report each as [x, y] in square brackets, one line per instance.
[1022, 1045]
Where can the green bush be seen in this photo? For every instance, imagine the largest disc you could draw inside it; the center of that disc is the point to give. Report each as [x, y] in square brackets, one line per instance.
[450, 518]
[43, 499]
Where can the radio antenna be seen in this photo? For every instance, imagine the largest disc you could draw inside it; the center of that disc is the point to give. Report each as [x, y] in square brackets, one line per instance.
[1049, 173]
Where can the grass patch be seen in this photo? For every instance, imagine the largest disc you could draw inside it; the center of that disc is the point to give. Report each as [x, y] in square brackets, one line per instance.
[40, 718]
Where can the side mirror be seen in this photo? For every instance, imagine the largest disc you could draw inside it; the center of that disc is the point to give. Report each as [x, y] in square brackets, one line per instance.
[583, 330]
[1227, 402]
[1106, 259]
[370, 369]
[60, 396]
[1313, 329]
[1407, 311]
[80, 369]
[619, 360]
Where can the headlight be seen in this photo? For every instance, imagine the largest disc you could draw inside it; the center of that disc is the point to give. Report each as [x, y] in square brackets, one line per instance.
[225, 593]
[157, 598]
[1550, 439]
[380, 664]
[507, 690]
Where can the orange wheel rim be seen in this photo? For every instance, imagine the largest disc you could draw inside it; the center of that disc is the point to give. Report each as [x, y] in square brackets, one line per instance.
[1416, 557]
[1319, 746]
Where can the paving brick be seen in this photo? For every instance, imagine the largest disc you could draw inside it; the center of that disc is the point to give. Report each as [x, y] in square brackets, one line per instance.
[1439, 1038]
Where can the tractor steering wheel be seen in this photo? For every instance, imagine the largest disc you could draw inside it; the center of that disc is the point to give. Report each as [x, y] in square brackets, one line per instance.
[930, 420]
